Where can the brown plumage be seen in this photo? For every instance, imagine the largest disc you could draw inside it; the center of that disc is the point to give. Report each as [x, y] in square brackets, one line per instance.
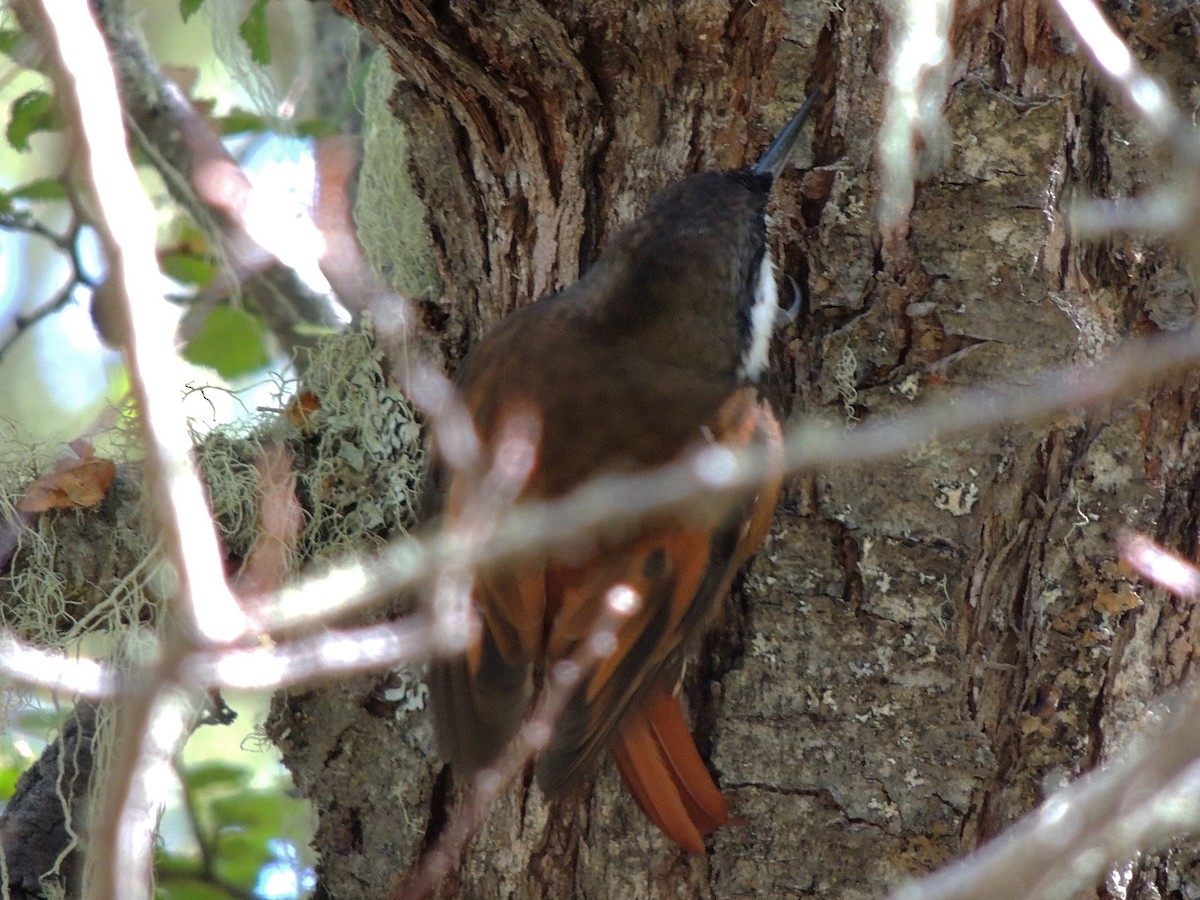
[655, 351]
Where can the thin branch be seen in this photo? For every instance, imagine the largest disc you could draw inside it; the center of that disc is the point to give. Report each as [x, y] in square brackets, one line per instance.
[610, 501]
[1158, 566]
[126, 230]
[810, 445]
[489, 784]
[208, 182]
[1139, 802]
[24, 221]
[1071, 839]
[1174, 208]
[68, 244]
[919, 79]
[32, 666]
[208, 873]
[152, 719]
[25, 321]
[1152, 104]
[332, 653]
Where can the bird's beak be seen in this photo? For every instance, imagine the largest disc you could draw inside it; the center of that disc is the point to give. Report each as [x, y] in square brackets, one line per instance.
[777, 154]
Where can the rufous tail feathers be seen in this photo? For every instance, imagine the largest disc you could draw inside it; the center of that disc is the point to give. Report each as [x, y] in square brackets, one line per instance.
[659, 763]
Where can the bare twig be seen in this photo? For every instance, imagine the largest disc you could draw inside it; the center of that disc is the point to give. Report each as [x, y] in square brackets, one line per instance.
[1136, 803]
[281, 520]
[607, 502]
[1071, 838]
[490, 783]
[203, 177]
[612, 500]
[1148, 797]
[920, 77]
[1168, 570]
[68, 244]
[23, 663]
[331, 653]
[151, 720]
[1151, 103]
[1174, 208]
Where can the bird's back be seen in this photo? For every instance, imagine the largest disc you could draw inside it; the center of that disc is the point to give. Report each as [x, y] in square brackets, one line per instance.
[594, 403]
[655, 352]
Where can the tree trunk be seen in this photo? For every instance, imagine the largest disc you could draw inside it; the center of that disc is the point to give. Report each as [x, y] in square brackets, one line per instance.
[926, 647]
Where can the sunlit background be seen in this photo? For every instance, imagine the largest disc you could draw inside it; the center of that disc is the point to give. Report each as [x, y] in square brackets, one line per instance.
[232, 825]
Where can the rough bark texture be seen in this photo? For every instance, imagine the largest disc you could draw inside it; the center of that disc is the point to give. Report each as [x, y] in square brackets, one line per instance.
[40, 847]
[925, 648]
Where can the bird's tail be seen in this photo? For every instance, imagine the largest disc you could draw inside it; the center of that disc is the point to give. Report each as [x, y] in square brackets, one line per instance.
[660, 764]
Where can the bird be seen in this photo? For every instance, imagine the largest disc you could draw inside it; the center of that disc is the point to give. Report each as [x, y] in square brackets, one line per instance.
[660, 348]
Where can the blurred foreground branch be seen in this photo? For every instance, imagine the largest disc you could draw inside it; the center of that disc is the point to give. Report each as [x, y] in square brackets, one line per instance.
[1067, 843]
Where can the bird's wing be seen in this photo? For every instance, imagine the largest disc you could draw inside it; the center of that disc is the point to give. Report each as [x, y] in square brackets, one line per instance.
[479, 697]
[680, 574]
[681, 568]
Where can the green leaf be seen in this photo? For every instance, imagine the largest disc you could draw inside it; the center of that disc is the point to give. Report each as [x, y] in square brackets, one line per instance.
[246, 809]
[31, 112]
[315, 128]
[39, 189]
[217, 772]
[188, 889]
[166, 863]
[254, 32]
[239, 121]
[8, 781]
[241, 855]
[188, 8]
[231, 341]
[188, 268]
[10, 40]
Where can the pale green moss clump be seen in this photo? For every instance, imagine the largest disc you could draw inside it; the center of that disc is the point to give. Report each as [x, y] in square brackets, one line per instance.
[97, 574]
[388, 215]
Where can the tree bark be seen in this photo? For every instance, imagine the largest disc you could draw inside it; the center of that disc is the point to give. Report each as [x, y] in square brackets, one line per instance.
[925, 648]
[41, 824]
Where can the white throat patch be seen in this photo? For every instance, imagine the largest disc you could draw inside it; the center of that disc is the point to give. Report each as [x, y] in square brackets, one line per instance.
[763, 316]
